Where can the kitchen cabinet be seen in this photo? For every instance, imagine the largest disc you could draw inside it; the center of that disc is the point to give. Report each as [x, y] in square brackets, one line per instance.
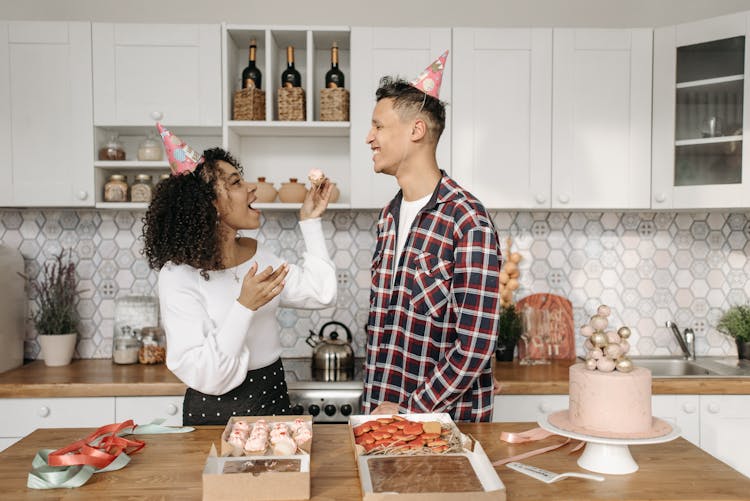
[275, 149]
[520, 408]
[143, 410]
[21, 416]
[378, 52]
[724, 425]
[601, 118]
[700, 80]
[502, 115]
[681, 410]
[45, 114]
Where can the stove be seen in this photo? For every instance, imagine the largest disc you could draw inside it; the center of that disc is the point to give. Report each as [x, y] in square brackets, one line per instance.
[327, 397]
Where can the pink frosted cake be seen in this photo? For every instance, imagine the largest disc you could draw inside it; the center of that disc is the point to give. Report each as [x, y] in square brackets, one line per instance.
[610, 404]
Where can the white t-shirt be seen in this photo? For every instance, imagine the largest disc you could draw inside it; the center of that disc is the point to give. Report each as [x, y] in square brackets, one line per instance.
[212, 340]
[408, 212]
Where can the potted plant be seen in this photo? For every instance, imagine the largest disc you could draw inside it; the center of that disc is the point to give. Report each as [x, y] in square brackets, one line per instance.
[56, 317]
[509, 324]
[736, 322]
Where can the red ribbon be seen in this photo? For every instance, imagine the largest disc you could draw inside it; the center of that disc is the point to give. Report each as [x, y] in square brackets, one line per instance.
[98, 454]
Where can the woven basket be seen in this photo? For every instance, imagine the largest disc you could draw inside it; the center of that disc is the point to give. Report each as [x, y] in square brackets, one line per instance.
[291, 103]
[250, 104]
[334, 105]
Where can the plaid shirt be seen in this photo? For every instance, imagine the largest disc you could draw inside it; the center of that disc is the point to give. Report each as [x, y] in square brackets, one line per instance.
[432, 328]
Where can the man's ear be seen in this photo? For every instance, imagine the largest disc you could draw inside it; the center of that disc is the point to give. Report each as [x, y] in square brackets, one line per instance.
[418, 130]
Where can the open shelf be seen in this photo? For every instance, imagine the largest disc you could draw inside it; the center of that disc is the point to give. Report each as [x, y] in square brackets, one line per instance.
[707, 140]
[266, 128]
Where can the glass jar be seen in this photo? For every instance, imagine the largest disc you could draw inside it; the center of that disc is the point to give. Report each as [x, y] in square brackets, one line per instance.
[116, 189]
[112, 148]
[125, 347]
[153, 346]
[150, 149]
[140, 190]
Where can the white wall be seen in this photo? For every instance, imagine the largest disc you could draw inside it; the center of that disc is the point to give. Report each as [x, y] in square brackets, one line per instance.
[600, 13]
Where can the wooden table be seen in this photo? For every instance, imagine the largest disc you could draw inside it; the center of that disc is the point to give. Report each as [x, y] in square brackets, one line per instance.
[170, 467]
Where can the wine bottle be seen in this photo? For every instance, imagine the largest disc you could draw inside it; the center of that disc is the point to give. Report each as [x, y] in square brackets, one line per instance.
[334, 77]
[251, 76]
[290, 77]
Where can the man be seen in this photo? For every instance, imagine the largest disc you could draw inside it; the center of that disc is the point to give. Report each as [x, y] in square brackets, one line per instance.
[435, 291]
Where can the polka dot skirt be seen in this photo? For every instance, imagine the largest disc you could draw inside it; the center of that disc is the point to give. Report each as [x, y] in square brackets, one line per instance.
[263, 393]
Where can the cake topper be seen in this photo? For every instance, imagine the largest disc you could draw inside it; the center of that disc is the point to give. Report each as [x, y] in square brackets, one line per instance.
[606, 350]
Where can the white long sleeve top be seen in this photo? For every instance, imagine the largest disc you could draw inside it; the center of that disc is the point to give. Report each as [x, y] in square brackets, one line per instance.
[213, 340]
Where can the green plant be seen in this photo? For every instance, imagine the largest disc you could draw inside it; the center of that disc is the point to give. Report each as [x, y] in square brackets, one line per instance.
[56, 293]
[736, 322]
[509, 326]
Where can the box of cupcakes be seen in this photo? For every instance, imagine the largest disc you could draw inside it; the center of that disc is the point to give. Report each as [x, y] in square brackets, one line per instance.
[266, 455]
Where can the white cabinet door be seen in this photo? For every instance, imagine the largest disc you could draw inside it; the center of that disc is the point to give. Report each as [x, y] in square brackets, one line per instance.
[522, 408]
[46, 136]
[700, 72]
[502, 114]
[377, 52]
[21, 416]
[681, 410]
[141, 68]
[143, 410]
[601, 118]
[725, 421]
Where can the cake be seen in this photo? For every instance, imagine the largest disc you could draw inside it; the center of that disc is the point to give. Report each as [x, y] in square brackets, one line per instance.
[316, 176]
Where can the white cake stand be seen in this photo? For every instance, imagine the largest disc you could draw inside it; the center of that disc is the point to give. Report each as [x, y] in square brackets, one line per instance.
[608, 455]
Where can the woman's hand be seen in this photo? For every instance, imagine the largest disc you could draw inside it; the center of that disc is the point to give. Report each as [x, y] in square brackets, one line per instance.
[316, 200]
[260, 288]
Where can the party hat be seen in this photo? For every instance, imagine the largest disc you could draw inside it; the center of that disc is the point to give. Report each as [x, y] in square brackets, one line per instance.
[430, 79]
[182, 158]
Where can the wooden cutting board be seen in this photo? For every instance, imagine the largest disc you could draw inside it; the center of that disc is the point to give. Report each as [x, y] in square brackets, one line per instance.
[562, 331]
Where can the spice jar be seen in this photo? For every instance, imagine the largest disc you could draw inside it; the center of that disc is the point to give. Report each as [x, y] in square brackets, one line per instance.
[125, 347]
[116, 189]
[153, 346]
[112, 148]
[149, 149]
[140, 190]
[292, 192]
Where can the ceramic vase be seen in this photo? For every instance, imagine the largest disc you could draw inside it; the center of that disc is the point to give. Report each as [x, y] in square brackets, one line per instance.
[265, 193]
[743, 349]
[57, 349]
[335, 193]
[292, 192]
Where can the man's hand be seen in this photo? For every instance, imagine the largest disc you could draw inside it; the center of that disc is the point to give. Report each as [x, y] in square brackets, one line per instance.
[386, 408]
[497, 386]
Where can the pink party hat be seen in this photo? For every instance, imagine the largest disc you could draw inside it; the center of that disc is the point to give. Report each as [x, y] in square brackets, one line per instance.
[430, 79]
[182, 158]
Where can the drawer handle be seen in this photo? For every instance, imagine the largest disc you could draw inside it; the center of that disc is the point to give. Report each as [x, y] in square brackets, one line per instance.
[544, 407]
[541, 198]
[661, 197]
[172, 409]
[43, 411]
[563, 199]
[688, 408]
[714, 408]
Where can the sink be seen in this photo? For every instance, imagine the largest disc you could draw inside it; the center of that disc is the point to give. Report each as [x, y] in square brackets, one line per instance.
[703, 367]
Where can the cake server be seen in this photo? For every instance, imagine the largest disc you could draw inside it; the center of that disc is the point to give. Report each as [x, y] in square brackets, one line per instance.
[547, 476]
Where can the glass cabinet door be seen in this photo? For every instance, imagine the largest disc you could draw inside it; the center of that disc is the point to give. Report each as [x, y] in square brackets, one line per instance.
[708, 112]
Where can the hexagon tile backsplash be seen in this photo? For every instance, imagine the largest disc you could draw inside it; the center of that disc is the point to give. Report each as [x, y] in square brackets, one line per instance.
[648, 267]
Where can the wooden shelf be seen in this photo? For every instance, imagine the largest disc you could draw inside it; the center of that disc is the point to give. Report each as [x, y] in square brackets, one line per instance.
[707, 140]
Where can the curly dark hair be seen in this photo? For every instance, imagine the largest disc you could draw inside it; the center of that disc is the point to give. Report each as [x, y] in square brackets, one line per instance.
[181, 223]
[408, 101]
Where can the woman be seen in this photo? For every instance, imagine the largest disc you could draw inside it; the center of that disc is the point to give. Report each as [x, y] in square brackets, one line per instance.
[219, 293]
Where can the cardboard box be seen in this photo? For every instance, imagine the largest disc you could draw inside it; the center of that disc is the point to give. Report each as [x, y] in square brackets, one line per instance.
[233, 475]
[472, 454]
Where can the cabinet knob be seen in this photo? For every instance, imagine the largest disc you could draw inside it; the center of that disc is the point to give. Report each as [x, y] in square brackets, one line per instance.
[83, 195]
[172, 409]
[563, 199]
[544, 407]
[688, 408]
[43, 411]
[541, 198]
[714, 408]
[661, 197]
[156, 115]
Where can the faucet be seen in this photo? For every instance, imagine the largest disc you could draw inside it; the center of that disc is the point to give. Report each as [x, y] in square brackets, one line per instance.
[687, 344]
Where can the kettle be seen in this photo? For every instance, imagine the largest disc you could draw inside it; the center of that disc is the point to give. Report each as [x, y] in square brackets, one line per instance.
[333, 358]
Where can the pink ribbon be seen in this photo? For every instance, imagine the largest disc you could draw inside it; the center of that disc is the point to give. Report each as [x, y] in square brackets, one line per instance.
[531, 435]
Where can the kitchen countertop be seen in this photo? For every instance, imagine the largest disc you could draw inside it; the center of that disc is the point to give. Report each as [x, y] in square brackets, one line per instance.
[170, 467]
[102, 378]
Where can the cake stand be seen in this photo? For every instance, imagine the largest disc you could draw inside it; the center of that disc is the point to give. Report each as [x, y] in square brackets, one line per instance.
[608, 455]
